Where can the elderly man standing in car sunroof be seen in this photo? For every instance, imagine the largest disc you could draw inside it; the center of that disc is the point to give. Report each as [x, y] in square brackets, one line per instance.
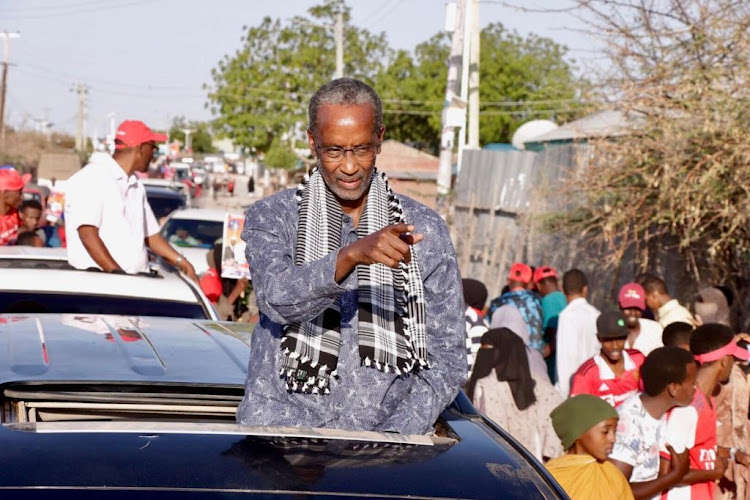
[361, 311]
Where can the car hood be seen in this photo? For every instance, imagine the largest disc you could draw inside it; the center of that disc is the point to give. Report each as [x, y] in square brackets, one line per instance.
[102, 348]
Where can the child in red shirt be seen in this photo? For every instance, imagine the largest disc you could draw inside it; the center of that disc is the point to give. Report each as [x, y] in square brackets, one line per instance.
[11, 185]
[613, 373]
[694, 426]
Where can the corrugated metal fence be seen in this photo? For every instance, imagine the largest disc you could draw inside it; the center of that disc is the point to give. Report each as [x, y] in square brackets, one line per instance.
[499, 200]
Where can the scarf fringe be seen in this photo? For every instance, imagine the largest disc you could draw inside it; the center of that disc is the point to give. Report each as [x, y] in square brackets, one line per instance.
[409, 367]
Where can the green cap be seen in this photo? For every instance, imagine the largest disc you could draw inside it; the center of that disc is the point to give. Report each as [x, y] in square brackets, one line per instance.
[579, 414]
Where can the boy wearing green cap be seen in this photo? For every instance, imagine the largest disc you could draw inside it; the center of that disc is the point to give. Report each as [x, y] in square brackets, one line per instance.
[586, 426]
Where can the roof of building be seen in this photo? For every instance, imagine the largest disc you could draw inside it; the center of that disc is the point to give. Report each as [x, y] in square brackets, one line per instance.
[606, 123]
[400, 161]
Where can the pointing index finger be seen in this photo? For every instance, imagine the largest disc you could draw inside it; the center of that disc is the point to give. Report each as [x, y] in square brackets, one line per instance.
[403, 228]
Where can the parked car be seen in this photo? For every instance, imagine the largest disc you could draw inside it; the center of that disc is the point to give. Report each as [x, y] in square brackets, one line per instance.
[179, 187]
[40, 280]
[193, 231]
[111, 407]
[164, 201]
[199, 176]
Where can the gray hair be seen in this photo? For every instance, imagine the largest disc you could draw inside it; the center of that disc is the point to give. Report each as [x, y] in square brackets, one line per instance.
[346, 91]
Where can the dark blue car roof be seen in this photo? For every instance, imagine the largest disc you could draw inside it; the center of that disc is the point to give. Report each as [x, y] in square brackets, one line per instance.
[471, 458]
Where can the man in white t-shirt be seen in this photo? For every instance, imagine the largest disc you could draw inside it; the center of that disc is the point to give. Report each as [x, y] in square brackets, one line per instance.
[668, 376]
[576, 330]
[643, 334]
[109, 220]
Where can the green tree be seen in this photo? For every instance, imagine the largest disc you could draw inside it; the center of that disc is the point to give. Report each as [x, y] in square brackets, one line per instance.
[678, 183]
[520, 79]
[261, 92]
[200, 139]
[279, 155]
[523, 79]
[413, 89]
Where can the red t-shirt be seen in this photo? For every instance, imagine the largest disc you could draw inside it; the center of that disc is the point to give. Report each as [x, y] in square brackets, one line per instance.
[595, 377]
[9, 227]
[693, 427]
[211, 285]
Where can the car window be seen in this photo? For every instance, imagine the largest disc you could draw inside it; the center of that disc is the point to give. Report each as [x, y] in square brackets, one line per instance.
[43, 303]
[192, 233]
[181, 173]
[164, 206]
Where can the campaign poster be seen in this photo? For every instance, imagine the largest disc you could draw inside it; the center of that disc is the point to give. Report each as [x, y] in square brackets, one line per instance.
[55, 206]
[233, 263]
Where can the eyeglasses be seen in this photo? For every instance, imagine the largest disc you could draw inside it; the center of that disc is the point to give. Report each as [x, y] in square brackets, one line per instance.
[155, 151]
[362, 154]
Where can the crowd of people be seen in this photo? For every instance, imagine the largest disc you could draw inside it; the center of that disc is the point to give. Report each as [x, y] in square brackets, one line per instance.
[23, 222]
[355, 283]
[646, 400]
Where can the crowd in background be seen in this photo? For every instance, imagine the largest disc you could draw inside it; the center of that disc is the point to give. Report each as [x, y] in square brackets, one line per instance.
[643, 401]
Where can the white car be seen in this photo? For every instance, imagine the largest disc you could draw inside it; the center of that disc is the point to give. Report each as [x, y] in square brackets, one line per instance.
[40, 280]
[193, 232]
[199, 175]
[176, 186]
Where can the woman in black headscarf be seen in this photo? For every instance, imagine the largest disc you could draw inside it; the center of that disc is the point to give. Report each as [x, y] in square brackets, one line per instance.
[501, 387]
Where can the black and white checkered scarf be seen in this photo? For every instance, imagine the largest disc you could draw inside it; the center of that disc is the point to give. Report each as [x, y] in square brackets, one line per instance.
[392, 333]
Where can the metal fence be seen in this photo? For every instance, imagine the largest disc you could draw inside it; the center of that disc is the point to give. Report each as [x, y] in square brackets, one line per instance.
[500, 199]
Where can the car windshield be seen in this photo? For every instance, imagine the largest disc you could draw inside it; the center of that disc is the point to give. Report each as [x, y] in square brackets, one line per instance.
[192, 233]
[181, 174]
[164, 206]
[43, 303]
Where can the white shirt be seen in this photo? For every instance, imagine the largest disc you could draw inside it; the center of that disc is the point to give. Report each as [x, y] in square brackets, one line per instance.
[101, 194]
[639, 437]
[576, 340]
[682, 423]
[673, 312]
[649, 338]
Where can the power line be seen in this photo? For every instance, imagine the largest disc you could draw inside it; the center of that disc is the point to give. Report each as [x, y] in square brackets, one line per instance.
[385, 14]
[56, 6]
[103, 7]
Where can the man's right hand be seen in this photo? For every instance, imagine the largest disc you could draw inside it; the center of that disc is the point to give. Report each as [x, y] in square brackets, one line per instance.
[389, 246]
[96, 248]
[680, 462]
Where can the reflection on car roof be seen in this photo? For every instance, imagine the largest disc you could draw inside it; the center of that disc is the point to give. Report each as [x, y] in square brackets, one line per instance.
[30, 269]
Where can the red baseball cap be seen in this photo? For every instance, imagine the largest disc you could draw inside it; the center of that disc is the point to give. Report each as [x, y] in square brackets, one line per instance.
[632, 295]
[544, 272]
[731, 349]
[133, 133]
[520, 272]
[11, 180]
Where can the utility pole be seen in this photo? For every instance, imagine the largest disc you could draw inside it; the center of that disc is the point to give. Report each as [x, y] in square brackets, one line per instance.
[339, 32]
[454, 111]
[464, 78]
[188, 139]
[474, 77]
[110, 140]
[6, 36]
[81, 115]
[46, 125]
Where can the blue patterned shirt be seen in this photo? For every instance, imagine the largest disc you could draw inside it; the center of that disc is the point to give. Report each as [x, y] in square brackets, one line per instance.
[361, 397]
[530, 306]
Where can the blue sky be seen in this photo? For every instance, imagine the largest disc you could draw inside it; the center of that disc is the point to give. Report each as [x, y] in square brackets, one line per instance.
[148, 59]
